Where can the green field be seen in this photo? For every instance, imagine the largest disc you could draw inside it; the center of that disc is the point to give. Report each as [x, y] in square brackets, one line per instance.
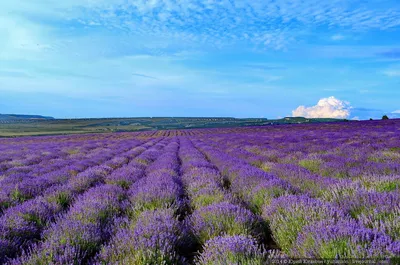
[28, 127]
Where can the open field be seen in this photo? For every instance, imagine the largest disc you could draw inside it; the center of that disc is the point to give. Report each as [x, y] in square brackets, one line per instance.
[28, 127]
[202, 196]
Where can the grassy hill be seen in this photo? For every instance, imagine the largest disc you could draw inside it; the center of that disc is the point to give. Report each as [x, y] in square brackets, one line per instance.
[12, 117]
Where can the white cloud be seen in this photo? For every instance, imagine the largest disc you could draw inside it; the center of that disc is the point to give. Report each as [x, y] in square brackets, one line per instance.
[396, 112]
[337, 37]
[392, 73]
[330, 107]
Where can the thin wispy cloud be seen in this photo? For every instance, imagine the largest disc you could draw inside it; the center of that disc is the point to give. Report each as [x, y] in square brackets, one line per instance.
[145, 76]
[273, 24]
[264, 66]
[245, 50]
[14, 73]
[338, 37]
[344, 51]
[392, 72]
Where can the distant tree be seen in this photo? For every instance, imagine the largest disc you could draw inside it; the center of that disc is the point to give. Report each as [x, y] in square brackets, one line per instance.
[370, 119]
[385, 117]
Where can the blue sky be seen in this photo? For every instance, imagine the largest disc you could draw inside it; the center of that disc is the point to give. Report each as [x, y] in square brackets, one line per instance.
[259, 58]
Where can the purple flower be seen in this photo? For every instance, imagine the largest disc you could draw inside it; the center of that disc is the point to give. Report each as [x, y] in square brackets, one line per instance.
[236, 249]
[222, 218]
[265, 191]
[154, 238]
[287, 216]
[154, 192]
[341, 240]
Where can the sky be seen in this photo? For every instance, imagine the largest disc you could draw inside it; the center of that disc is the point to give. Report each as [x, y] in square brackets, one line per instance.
[235, 58]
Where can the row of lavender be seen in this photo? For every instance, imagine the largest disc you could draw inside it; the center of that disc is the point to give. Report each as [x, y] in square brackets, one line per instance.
[29, 222]
[27, 169]
[365, 218]
[150, 232]
[221, 227]
[140, 206]
[181, 212]
[356, 152]
[138, 209]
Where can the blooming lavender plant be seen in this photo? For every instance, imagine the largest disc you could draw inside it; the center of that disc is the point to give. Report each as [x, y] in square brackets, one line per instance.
[376, 210]
[342, 240]
[267, 190]
[204, 186]
[154, 192]
[154, 238]
[222, 218]
[367, 202]
[26, 221]
[380, 183]
[232, 250]
[387, 222]
[287, 216]
[300, 178]
[82, 230]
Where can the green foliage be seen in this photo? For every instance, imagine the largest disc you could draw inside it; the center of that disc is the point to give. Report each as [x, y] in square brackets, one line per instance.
[18, 196]
[286, 234]
[123, 184]
[147, 256]
[73, 151]
[141, 206]
[312, 165]
[236, 258]
[385, 117]
[266, 166]
[395, 149]
[4, 205]
[207, 199]
[34, 219]
[388, 186]
[334, 249]
[263, 197]
[63, 199]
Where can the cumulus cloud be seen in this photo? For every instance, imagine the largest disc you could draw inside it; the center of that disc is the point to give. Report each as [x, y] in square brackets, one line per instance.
[330, 107]
[396, 112]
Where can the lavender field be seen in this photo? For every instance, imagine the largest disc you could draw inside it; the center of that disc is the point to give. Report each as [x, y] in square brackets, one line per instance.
[208, 196]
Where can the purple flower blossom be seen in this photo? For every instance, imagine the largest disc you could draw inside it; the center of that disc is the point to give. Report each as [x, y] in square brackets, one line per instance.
[154, 192]
[287, 216]
[222, 218]
[233, 250]
[342, 240]
[154, 238]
